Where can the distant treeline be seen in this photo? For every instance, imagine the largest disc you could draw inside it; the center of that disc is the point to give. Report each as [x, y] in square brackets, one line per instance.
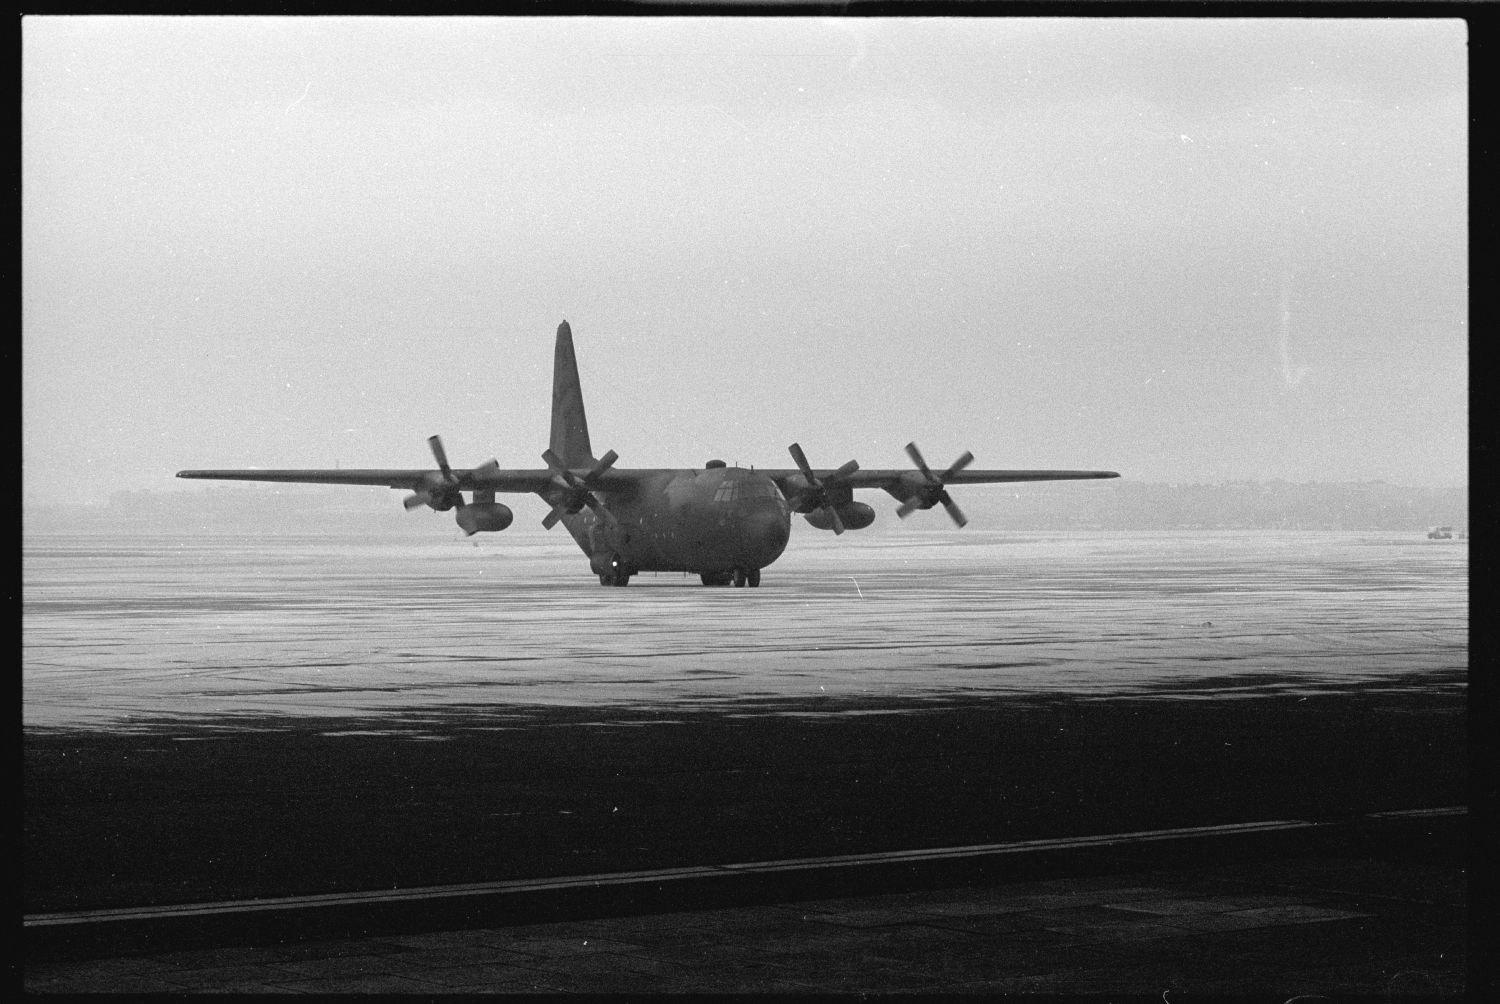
[1097, 505]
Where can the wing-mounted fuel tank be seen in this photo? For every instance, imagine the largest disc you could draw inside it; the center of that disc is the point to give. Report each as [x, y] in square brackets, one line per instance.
[853, 516]
[484, 514]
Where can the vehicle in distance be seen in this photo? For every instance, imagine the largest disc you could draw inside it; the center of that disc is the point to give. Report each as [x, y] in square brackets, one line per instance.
[723, 523]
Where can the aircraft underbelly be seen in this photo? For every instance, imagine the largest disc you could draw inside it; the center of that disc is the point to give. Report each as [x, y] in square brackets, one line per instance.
[683, 538]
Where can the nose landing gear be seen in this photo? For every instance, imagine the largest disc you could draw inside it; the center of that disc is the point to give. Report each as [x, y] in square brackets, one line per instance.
[613, 572]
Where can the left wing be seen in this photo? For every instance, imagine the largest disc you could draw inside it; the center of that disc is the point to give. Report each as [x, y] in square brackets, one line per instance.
[809, 489]
[441, 488]
[478, 478]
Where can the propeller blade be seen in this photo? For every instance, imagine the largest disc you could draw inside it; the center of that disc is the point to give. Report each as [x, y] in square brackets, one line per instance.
[578, 494]
[812, 488]
[916, 458]
[801, 458]
[954, 510]
[605, 516]
[816, 490]
[932, 493]
[441, 455]
[561, 476]
[552, 461]
[958, 465]
[413, 501]
[605, 463]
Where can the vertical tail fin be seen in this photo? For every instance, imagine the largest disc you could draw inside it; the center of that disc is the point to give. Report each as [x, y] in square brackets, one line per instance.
[570, 429]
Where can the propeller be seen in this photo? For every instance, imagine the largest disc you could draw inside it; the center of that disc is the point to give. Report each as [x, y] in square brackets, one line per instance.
[489, 465]
[932, 493]
[577, 492]
[440, 491]
[815, 495]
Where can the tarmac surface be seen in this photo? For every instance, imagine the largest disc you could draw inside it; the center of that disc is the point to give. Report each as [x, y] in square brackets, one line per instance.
[263, 722]
[193, 813]
[118, 630]
[1379, 910]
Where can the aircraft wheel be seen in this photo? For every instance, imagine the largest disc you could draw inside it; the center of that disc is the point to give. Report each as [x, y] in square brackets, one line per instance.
[739, 577]
[752, 578]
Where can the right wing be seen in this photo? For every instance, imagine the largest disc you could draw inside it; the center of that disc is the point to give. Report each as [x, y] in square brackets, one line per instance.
[903, 484]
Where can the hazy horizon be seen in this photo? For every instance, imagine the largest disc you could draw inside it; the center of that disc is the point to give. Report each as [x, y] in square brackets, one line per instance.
[1189, 250]
[1110, 505]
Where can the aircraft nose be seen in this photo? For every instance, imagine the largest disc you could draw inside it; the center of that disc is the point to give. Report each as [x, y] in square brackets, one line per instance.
[765, 535]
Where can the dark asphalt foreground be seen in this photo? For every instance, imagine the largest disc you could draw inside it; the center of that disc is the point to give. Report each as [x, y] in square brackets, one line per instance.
[237, 807]
[1376, 909]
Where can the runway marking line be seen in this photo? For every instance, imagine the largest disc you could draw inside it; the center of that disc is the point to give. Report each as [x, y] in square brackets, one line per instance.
[563, 883]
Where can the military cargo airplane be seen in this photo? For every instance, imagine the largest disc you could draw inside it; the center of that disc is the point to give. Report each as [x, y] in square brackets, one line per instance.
[724, 523]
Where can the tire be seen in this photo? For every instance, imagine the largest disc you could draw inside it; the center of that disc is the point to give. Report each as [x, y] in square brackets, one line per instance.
[752, 578]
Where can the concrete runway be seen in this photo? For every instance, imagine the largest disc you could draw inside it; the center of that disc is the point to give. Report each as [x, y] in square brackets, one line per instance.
[219, 718]
[120, 631]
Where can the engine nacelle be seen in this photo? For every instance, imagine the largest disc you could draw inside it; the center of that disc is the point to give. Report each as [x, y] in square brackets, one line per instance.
[854, 516]
[484, 516]
[798, 497]
[436, 493]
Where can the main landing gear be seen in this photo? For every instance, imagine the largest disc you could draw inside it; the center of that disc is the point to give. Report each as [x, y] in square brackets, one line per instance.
[739, 577]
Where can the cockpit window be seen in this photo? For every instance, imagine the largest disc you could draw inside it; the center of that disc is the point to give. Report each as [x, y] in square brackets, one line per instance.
[728, 491]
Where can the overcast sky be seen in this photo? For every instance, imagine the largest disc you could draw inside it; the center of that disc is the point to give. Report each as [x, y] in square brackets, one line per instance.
[1189, 250]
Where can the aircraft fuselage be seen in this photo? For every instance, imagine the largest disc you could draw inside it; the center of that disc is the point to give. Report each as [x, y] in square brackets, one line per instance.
[719, 521]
